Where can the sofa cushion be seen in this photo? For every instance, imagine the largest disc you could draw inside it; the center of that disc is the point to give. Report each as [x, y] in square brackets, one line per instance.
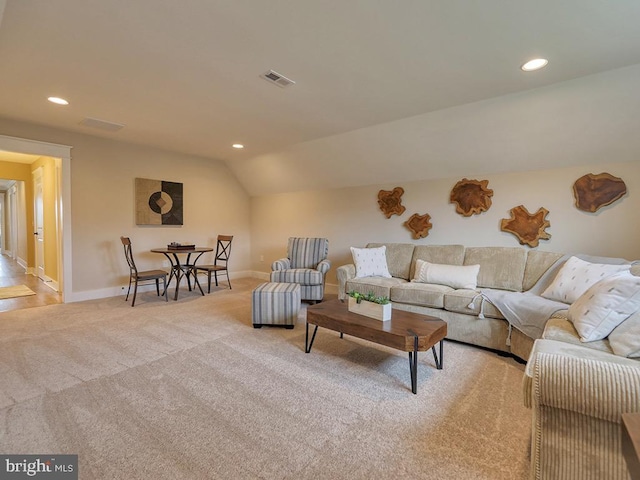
[424, 294]
[470, 302]
[442, 254]
[379, 286]
[307, 252]
[576, 276]
[605, 305]
[625, 338]
[398, 258]
[562, 330]
[500, 267]
[455, 276]
[301, 276]
[370, 262]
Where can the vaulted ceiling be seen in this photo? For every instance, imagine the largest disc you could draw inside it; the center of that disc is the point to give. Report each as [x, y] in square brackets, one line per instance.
[185, 75]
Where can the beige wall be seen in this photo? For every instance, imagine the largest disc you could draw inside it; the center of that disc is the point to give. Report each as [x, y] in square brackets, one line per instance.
[102, 205]
[102, 209]
[351, 217]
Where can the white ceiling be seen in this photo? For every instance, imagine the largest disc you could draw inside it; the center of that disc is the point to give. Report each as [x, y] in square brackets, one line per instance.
[185, 75]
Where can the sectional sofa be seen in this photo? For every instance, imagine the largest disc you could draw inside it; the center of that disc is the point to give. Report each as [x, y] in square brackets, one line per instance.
[503, 268]
[577, 390]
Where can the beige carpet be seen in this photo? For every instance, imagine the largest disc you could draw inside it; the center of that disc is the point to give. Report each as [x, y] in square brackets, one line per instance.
[189, 390]
[15, 291]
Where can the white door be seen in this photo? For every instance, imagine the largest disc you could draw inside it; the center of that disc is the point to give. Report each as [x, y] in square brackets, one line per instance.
[39, 222]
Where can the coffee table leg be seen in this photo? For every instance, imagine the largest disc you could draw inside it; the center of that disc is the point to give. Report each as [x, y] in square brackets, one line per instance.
[413, 365]
[438, 358]
[307, 344]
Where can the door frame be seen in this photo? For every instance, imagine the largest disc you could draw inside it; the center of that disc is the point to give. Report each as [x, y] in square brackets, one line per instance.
[3, 225]
[13, 219]
[62, 156]
[39, 238]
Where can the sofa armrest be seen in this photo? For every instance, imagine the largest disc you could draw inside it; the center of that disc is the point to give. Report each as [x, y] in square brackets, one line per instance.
[324, 266]
[594, 388]
[281, 264]
[344, 273]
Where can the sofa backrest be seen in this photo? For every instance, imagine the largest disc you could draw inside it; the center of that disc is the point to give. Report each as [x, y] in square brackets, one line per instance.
[398, 258]
[538, 263]
[500, 267]
[506, 268]
[443, 254]
[307, 252]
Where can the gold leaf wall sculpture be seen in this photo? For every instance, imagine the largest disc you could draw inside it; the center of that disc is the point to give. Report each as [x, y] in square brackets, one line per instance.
[593, 192]
[528, 228]
[390, 201]
[419, 225]
[471, 197]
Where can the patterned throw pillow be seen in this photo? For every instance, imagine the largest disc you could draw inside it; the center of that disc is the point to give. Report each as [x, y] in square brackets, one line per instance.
[576, 276]
[370, 262]
[454, 276]
[605, 305]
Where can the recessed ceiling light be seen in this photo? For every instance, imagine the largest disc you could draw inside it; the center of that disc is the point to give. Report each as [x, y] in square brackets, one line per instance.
[58, 100]
[535, 64]
[237, 145]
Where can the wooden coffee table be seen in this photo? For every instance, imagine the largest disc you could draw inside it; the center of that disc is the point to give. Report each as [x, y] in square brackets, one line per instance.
[406, 331]
[631, 443]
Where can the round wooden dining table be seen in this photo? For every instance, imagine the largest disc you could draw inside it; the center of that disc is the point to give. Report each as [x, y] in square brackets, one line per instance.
[183, 269]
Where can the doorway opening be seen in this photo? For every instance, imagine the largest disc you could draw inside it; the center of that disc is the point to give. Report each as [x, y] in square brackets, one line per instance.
[55, 251]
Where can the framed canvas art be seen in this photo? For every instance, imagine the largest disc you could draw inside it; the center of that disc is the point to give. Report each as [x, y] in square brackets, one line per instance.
[158, 202]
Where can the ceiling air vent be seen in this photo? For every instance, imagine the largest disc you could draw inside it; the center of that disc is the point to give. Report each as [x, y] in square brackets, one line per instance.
[275, 77]
[101, 124]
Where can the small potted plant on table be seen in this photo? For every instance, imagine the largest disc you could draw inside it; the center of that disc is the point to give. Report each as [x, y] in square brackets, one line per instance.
[370, 305]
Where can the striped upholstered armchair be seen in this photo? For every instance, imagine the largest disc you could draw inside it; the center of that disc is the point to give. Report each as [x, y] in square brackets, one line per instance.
[306, 264]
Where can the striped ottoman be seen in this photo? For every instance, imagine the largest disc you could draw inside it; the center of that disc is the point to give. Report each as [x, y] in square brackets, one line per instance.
[276, 304]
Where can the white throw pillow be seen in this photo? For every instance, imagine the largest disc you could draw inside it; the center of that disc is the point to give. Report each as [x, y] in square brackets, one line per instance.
[454, 276]
[370, 262]
[625, 338]
[605, 305]
[576, 276]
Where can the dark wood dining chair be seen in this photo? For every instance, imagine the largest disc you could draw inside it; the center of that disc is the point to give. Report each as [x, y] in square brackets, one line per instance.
[136, 277]
[223, 252]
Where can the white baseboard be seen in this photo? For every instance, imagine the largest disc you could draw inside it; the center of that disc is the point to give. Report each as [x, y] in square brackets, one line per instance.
[23, 263]
[261, 275]
[71, 297]
[51, 283]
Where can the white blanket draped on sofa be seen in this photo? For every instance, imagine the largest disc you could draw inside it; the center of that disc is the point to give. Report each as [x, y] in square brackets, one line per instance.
[528, 311]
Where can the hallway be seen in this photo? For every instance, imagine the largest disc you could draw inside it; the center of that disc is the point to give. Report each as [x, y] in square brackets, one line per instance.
[13, 274]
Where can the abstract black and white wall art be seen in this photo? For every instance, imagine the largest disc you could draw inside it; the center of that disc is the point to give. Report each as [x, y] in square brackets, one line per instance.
[158, 202]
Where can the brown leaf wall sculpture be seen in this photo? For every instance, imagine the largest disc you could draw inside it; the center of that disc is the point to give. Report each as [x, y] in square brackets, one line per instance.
[528, 228]
[471, 197]
[593, 192]
[419, 225]
[390, 201]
